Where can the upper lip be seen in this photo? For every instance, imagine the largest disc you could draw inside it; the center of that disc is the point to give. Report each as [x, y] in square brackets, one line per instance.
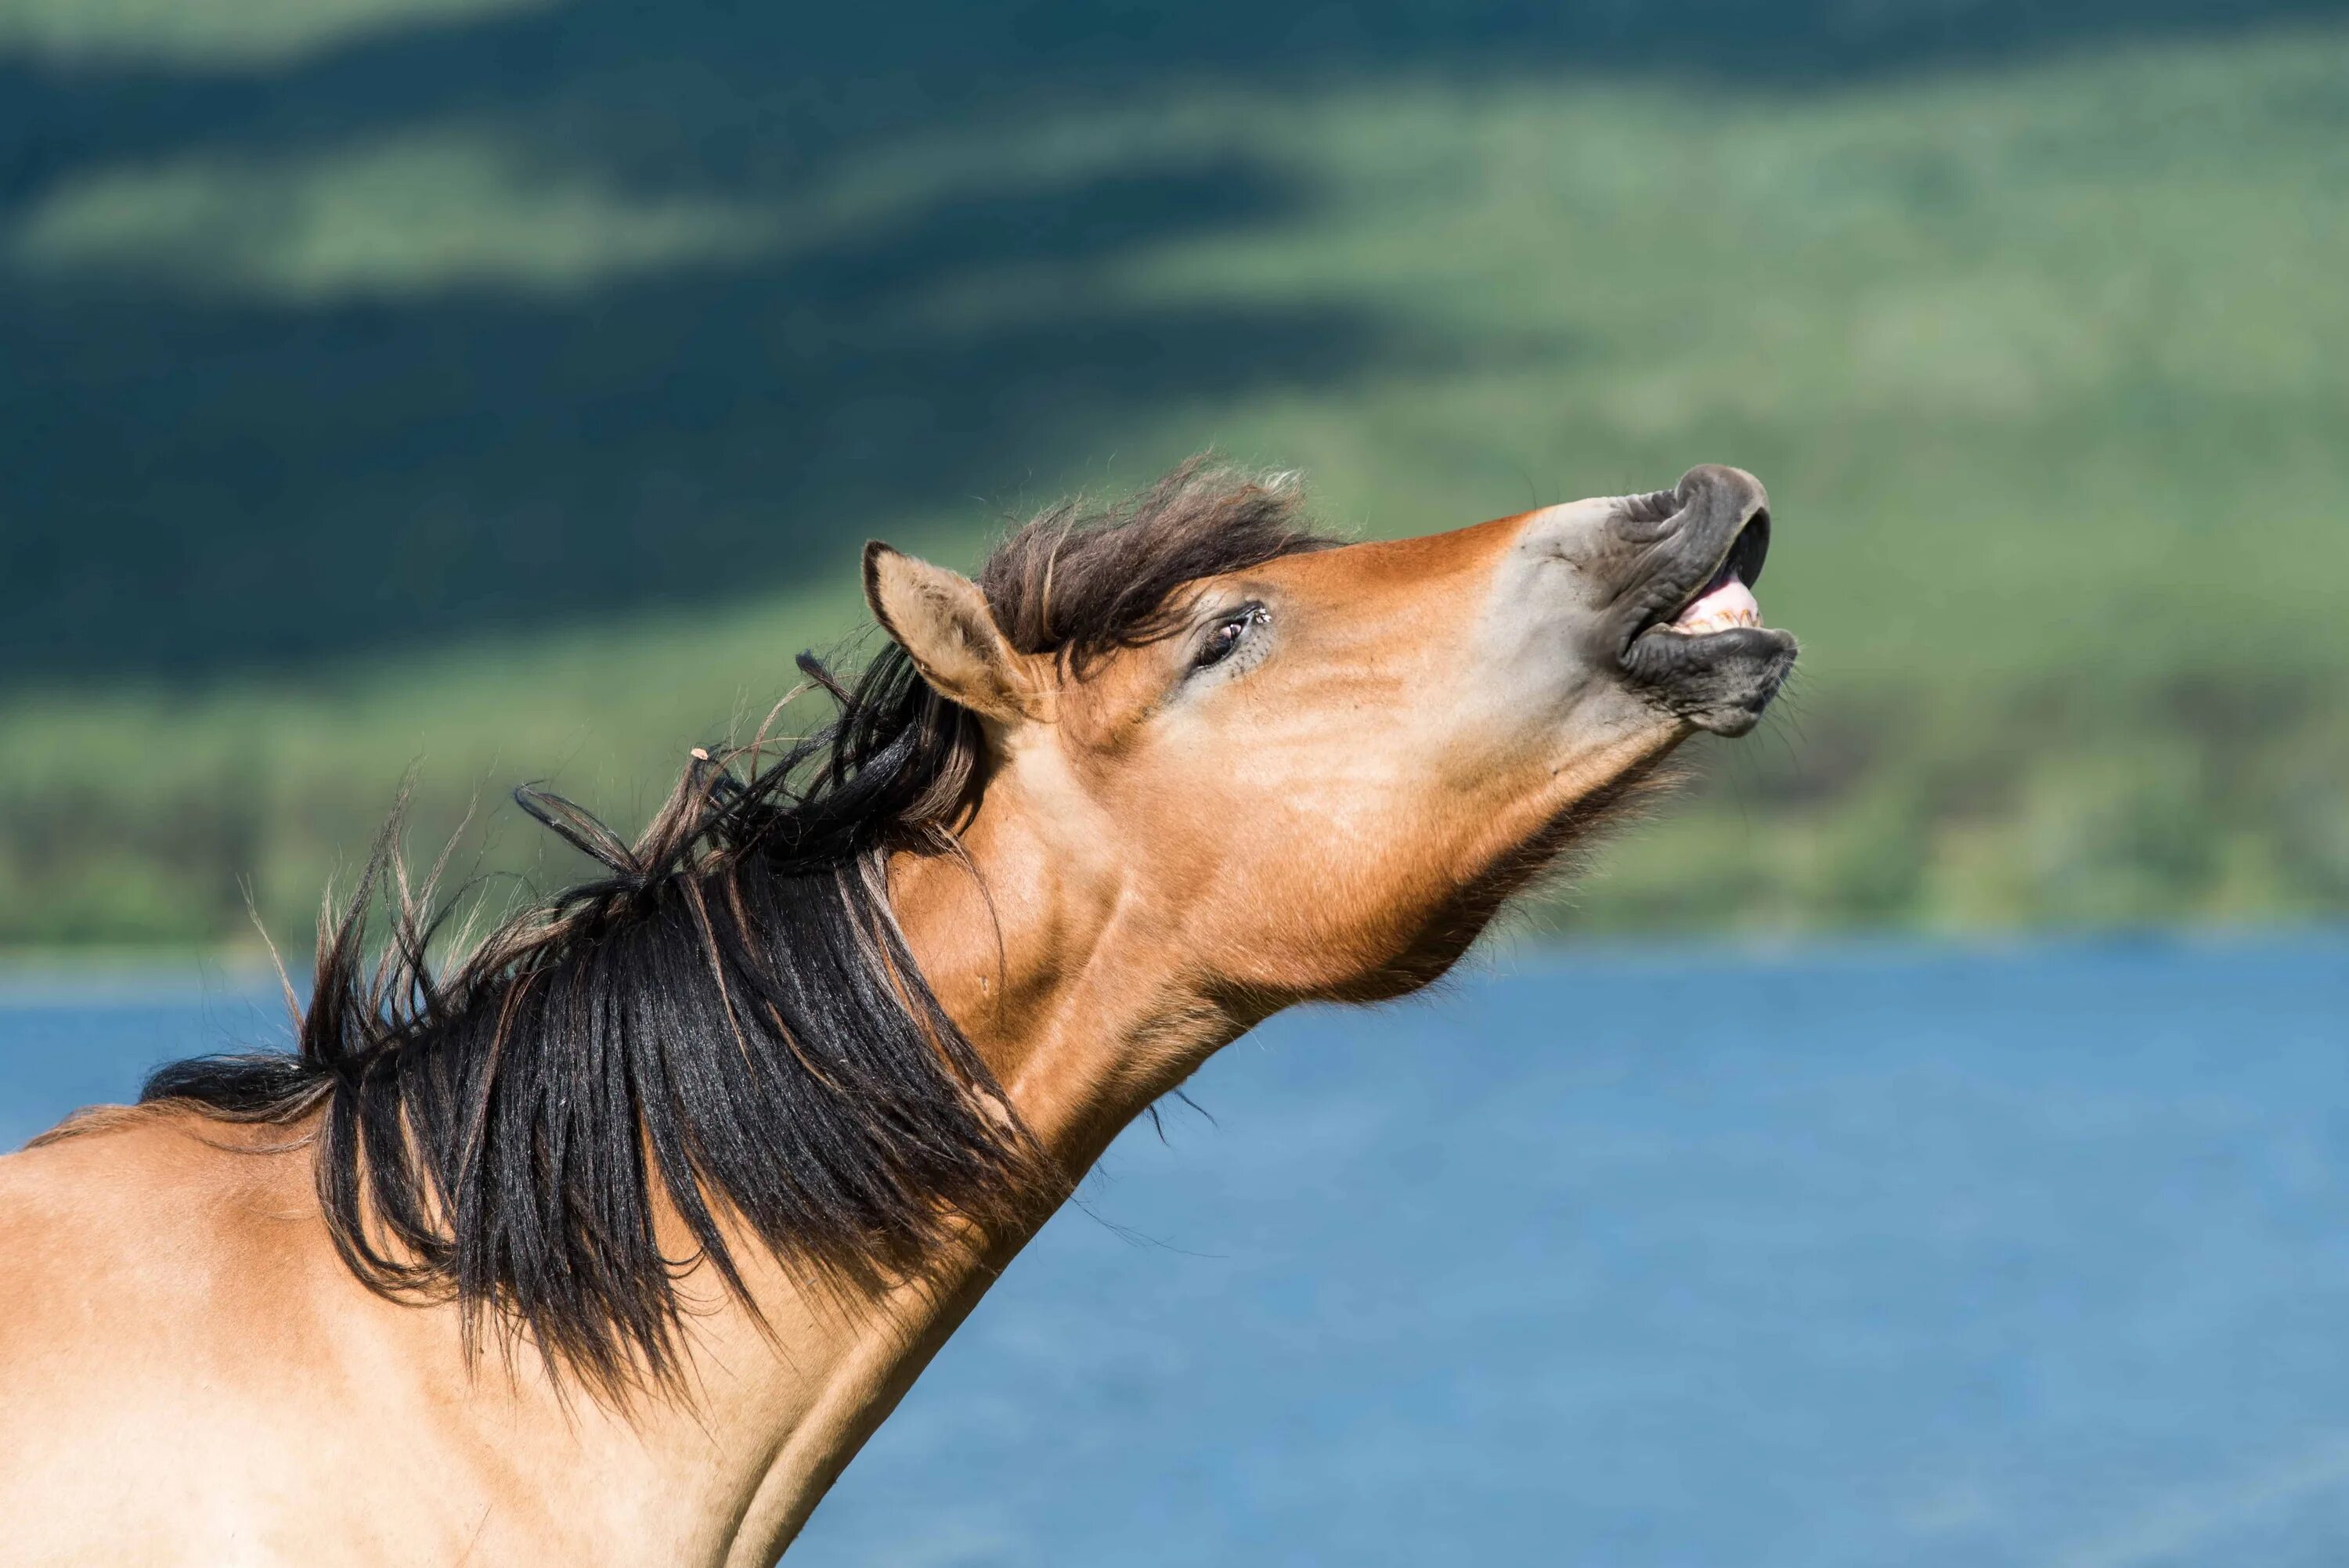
[1720, 528]
[1743, 559]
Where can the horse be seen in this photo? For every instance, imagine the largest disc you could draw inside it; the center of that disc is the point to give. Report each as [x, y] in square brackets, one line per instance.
[609, 1237]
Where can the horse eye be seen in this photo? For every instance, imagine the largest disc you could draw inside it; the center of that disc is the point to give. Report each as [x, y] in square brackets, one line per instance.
[1226, 636]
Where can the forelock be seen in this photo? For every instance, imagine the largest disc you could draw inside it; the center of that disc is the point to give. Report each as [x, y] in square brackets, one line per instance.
[1080, 582]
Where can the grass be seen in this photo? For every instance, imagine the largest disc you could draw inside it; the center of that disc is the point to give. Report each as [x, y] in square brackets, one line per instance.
[215, 35]
[2046, 366]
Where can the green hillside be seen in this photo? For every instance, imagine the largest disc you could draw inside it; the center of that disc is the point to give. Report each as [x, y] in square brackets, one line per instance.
[465, 438]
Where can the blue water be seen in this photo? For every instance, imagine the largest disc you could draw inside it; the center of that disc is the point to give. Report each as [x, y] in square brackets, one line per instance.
[1860, 1257]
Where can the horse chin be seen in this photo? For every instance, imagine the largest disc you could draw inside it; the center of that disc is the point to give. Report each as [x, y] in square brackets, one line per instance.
[1721, 682]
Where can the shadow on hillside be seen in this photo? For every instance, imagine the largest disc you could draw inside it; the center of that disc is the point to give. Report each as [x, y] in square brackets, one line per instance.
[195, 480]
[237, 484]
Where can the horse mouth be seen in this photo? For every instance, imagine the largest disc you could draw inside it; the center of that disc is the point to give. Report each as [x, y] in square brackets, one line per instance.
[1703, 651]
[1725, 601]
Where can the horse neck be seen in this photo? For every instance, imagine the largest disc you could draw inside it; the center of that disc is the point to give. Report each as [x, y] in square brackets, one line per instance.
[1066, 975]
[1076, 1004]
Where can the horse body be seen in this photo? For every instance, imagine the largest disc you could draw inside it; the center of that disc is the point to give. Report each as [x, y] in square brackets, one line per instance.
[1154, 777]
[252, 1405]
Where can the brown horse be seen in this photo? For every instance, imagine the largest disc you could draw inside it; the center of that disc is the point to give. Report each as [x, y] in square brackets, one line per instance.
[613, 1241]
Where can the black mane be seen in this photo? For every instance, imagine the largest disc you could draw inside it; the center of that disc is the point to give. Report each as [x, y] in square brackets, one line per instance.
[726, 1020]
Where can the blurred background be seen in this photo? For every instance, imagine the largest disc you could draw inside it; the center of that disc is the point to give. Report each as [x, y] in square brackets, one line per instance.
[505, 387]
[501, 389]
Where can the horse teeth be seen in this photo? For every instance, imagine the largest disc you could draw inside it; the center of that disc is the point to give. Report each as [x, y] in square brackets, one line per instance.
[1718, 609]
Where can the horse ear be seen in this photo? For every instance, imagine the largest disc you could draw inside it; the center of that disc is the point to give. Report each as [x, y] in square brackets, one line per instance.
[941, 619]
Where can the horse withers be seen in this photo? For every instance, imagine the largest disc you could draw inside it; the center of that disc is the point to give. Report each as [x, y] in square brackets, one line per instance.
[611, 1239]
